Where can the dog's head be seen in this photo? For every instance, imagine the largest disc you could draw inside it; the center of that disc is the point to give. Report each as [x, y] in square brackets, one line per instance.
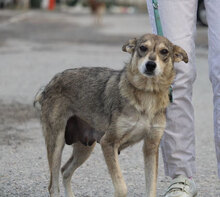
[152, 57]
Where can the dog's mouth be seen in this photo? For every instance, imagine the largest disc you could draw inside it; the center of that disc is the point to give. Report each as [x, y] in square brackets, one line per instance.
[149, 74]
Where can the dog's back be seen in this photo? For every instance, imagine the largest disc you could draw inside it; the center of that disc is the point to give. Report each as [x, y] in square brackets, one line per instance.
[91, 93]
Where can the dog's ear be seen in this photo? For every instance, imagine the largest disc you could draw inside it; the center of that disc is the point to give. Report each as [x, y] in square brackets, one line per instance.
[179, 54]
[130, 46]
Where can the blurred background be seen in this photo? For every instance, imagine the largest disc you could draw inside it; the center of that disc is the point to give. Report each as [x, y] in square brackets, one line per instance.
[113, 6]
[39, 38]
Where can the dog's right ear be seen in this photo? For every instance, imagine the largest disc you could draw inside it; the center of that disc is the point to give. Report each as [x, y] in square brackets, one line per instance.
[129, 46]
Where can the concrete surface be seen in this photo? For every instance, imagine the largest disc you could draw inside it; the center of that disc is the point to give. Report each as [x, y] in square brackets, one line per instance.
[34, 46]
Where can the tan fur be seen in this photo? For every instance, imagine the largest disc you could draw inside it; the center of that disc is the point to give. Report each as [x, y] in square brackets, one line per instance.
[114, 108]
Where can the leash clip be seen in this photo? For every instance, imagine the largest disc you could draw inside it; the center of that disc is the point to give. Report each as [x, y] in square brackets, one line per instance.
[155, 5]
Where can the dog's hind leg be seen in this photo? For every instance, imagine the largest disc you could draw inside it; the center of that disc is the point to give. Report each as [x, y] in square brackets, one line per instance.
[79, 156]
[54, 146]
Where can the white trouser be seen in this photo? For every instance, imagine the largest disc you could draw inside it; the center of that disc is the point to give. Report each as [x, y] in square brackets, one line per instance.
[178, 18]
[213, 17]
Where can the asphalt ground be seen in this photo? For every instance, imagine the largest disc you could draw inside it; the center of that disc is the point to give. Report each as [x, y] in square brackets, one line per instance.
[34, 46]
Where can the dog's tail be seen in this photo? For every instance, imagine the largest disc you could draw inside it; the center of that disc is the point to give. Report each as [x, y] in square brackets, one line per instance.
[38, 98]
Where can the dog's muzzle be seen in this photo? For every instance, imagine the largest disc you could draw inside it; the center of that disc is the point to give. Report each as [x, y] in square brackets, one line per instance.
[150, 67]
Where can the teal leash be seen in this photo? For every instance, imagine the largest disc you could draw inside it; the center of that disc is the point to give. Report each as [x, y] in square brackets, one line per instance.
[160, 33]
[157, 18]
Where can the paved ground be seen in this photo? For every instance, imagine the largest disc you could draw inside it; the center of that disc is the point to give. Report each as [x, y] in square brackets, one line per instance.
[36, 45]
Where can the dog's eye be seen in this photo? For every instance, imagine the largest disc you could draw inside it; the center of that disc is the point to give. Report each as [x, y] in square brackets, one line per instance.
[164, 51]
[143, 48]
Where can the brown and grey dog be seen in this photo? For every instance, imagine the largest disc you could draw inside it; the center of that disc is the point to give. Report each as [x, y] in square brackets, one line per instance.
[116, 108]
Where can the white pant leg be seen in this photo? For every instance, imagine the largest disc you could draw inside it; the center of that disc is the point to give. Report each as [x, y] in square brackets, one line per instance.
[213, 17]
[178, 18]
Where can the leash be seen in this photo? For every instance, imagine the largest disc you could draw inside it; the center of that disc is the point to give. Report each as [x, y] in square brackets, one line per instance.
[160, 33]
[157, 18]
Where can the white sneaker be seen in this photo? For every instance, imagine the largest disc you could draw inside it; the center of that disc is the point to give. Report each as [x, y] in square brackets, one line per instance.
[181, 187]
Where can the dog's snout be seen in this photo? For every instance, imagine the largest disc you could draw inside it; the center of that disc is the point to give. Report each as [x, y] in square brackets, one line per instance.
[150, 66]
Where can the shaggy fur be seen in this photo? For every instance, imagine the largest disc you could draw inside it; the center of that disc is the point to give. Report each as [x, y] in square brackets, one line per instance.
[116, 108]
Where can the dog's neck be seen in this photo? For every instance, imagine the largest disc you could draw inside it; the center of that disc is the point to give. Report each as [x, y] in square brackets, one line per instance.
[138, 89]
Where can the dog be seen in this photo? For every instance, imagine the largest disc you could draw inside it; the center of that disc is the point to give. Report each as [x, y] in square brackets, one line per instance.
[98, 9]
[115, 108]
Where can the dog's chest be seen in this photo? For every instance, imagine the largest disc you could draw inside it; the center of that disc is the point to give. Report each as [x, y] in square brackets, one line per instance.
[132, 125]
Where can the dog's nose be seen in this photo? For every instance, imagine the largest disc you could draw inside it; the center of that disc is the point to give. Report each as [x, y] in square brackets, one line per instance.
[150, 66]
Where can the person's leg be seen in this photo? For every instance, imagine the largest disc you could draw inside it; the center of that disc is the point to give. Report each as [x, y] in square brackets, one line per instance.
[213, 16]
[178, 20]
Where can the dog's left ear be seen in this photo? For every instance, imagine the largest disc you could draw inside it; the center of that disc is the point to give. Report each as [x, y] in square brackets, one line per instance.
[179, 54]
[129, 46]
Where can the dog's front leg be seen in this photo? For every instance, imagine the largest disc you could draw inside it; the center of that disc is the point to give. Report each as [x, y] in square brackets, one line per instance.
[151, 150]
[110, 152]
